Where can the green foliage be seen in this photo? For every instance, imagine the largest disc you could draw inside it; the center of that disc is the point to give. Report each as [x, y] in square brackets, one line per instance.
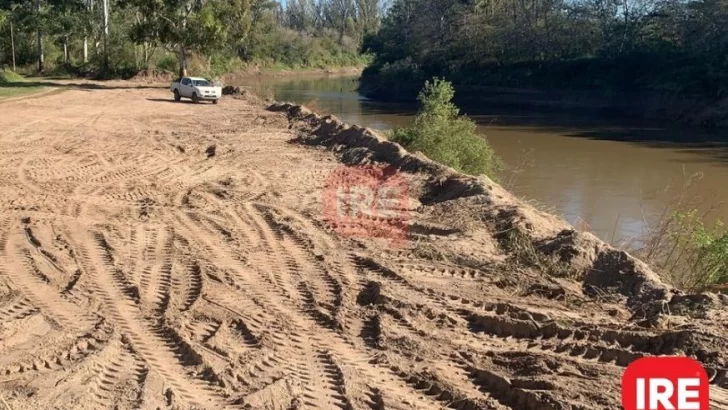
[665, 46]
[216, 36]
[168, 62]
[13, 85]
[444, 135]
[698, 255]
[7, 77]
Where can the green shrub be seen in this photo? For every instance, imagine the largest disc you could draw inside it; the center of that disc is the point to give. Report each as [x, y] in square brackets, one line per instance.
[686, 252]
[444, 135]
[7, 77]
[695, 256]
[168, 62]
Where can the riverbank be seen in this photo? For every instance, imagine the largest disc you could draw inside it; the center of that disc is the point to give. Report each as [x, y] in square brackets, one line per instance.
[660, 107]
[252, 73]
[479, 214]
[287, 72]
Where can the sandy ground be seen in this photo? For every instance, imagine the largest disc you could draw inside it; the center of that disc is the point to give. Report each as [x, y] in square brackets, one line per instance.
[139, 271]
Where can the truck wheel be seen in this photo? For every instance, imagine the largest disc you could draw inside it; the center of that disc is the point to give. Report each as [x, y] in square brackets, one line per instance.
[195, 98]
[215, 101]
[177, 97]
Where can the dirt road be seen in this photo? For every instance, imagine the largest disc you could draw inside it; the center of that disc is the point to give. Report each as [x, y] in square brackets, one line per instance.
[161, 255]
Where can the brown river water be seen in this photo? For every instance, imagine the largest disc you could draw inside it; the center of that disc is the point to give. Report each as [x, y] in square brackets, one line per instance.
[608, 176]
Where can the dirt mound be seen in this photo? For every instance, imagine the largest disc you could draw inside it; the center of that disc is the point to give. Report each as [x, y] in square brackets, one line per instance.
[547, 258]
[520, 227]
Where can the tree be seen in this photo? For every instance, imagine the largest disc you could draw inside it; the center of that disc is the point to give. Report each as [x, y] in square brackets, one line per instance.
[69, 18]
[294, 33]
[180, 25]
[39, 23]
[6, 22]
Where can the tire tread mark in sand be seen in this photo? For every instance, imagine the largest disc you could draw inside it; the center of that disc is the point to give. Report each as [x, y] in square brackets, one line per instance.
[24, 176]
[300, 260]
[250, 339]
[439, 301]
[29, 263]
[263, 371]
[112, 372]
[269, 295]
[42, 295]
[164, 278]
[65, 354]
[173, 340]
[500, 388]
[263, 367]
[52, 260]
[616, 347]
[395, 388]
[440, 271]
[436, 390]
[274, 253]
[276, 304]
[193, 288]
[16, 310]
[310, 307]
[130, 290]
[143, 338]
[376, 400]
[508, 327]
[255, 317]
[5, 227]
[333, 380]
[148, 257]
[75, 277]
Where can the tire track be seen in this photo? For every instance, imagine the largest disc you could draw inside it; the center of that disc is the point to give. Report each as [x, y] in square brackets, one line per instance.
[39, 292]
[273, 301]
[148, 258]
[328, 388]
[274, 256]
[16, 309]
[116, 367]
[157, 349]
[191, 285]
[320, 292]
[158, 291]
[448, 395]
[66, 354]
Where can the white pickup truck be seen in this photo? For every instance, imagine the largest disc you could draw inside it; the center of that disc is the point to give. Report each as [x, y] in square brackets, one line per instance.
[197, 89]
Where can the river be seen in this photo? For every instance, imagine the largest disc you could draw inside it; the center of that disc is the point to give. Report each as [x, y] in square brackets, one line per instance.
[610, 177]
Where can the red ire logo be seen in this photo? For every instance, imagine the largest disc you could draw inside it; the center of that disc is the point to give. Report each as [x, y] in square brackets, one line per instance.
[665, 383]
[368, 201]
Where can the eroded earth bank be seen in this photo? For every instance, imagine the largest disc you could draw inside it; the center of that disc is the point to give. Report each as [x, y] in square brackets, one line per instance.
[160, 255]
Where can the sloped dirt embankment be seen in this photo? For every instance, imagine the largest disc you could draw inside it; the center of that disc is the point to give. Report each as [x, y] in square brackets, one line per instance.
[604, 305]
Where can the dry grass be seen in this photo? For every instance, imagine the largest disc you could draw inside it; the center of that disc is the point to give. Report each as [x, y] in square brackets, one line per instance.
[524, 252]
[679, 245]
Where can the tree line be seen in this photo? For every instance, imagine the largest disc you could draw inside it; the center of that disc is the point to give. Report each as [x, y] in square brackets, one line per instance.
[671, 45]
[116, 36]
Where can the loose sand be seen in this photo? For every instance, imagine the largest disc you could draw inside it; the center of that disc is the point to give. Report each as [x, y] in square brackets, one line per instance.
[142, 269]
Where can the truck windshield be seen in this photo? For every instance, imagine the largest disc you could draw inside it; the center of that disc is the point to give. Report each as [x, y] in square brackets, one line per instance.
[201, 83]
